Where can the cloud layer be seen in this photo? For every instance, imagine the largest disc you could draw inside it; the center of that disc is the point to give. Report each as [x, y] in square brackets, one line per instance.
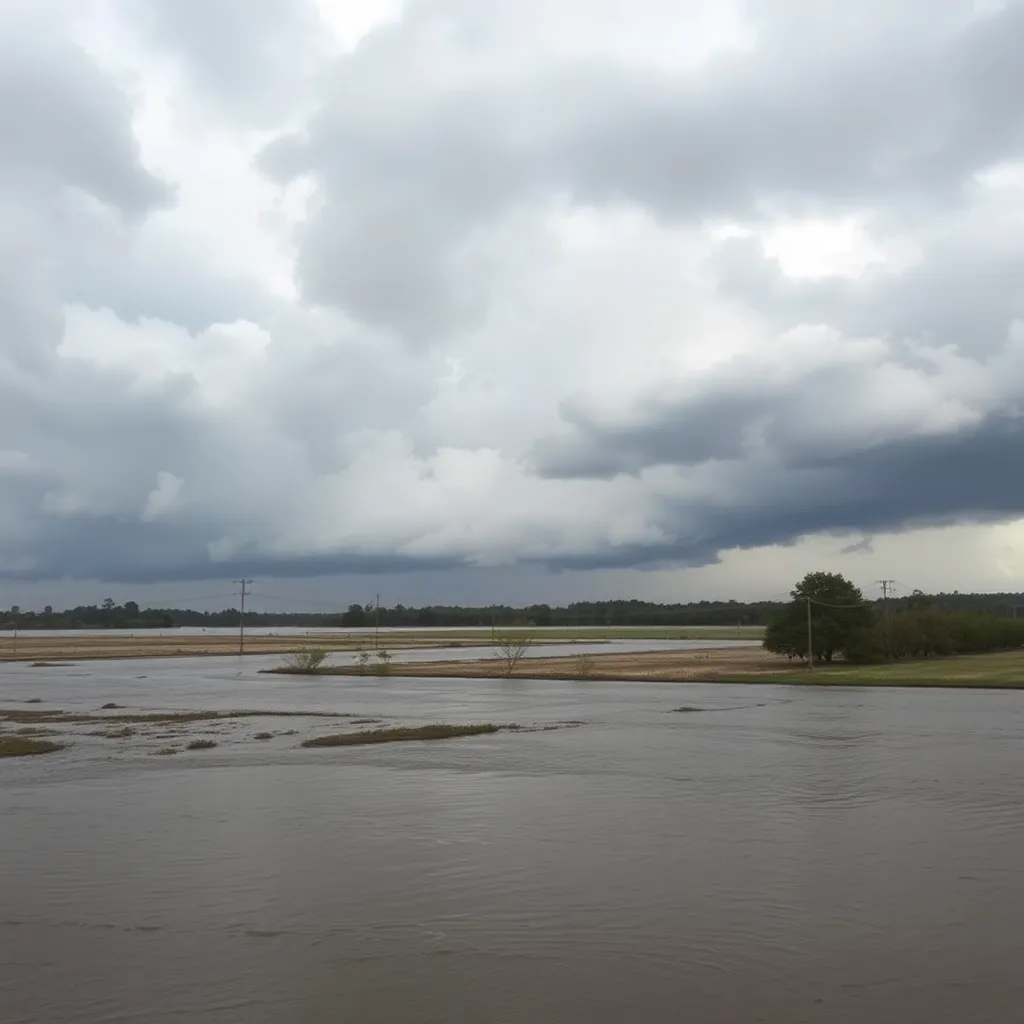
[594, 286]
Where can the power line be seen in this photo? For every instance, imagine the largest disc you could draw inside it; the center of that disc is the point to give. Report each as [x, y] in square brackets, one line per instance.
[886, 586]
[243, 583]
[179, 602]
[294, 599]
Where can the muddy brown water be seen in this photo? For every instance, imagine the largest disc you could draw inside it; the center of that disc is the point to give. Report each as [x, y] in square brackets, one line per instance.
[778, 856]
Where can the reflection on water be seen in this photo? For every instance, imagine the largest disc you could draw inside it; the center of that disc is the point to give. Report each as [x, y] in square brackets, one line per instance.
[811, 855]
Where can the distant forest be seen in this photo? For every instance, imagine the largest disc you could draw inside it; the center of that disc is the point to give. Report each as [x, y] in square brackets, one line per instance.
[130, 615]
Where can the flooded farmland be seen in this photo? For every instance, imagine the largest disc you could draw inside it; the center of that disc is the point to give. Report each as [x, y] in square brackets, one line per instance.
[765, 854]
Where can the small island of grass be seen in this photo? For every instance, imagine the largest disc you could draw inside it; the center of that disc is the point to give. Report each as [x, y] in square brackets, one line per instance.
[399, 735]
[24, 746]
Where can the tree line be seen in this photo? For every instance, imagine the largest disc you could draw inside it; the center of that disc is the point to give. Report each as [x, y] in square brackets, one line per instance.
[130, 615]
[829, 618]
[108, 615]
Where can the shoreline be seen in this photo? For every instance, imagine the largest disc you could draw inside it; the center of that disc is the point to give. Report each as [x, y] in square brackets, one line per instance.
[739, 667]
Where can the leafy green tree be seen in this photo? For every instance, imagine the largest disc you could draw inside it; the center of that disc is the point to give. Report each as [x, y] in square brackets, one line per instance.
[539, 614]
[355, 616]
[841, 621]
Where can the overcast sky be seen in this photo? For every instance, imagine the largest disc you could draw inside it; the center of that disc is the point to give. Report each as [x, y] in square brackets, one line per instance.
[473, 300]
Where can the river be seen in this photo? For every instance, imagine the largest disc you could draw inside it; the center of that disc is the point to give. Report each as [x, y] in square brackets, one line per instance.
[775, 856]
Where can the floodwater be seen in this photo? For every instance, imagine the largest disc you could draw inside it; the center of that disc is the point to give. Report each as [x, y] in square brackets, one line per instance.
[779, 855]
[348, 632]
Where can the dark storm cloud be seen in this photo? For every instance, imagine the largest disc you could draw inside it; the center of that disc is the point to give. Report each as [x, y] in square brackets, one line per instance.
[120, 549]
[966, 478]
[865, 546]
[808, 400]
[709, 426]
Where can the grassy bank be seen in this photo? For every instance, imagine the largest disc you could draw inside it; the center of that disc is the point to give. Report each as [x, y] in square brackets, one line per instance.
[670, 666]
[402, 735]
[1001, 670]
[742, 665]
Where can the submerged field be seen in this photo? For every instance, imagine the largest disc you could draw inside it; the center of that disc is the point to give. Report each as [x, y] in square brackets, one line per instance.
[72, 646]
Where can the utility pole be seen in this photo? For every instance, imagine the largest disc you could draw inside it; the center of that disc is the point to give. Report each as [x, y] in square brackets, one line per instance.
[241, 618]
[887, 587]
[376, 626]
[810, 638]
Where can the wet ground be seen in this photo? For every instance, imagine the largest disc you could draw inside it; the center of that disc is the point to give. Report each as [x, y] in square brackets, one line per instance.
[768, 855]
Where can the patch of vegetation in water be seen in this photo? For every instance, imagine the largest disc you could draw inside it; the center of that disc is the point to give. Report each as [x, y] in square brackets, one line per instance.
[201, 745]
[17, 715]
[167, 751]
[403, 735]
[304, 663]
[115, 734]
[24, 746]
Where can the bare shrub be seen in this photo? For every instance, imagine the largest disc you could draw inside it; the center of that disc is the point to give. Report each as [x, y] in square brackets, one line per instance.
[305, 662]
[511, 650]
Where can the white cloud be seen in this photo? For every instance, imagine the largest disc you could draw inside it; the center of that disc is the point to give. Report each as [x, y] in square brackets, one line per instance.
[351, 20]
[165, 498]
[835, 248]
